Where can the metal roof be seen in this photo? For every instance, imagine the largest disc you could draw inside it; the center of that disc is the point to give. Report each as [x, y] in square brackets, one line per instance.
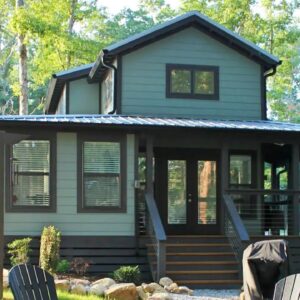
[150, 122]
[75, 70]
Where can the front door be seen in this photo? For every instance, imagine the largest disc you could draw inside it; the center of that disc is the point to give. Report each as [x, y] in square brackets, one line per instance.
[186, 185]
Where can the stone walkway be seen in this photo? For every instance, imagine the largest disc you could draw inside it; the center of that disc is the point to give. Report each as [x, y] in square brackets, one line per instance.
[210, 295]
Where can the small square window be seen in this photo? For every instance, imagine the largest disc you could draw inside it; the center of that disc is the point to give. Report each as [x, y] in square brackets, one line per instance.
[194, 82]
[240, 169]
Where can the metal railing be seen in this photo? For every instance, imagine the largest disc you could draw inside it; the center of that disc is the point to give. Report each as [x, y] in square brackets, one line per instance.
[158, 239]
[235, 230]
[268, 212]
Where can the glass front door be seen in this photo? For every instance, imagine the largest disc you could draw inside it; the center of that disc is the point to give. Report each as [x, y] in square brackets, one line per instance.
[187, 193]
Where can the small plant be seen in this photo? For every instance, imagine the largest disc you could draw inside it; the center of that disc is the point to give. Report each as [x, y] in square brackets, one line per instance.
[127, 274]
[63, 266]
[80, 265]
[19, 251]
[50, 245]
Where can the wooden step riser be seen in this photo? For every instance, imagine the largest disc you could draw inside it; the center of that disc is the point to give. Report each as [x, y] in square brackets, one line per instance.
[206, 257]
[201, 249]
[215, 286]
[200, 267]
[183, 239]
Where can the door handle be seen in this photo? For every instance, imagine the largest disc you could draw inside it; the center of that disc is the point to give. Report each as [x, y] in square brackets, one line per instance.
[189, 198]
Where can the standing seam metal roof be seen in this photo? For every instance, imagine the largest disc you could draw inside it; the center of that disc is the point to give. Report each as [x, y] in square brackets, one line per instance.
[139, 121]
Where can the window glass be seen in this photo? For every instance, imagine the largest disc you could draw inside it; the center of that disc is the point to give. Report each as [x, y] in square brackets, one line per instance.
[240, 169]
[101, 166]
[204, 82]
[30, 167]
[180, 81]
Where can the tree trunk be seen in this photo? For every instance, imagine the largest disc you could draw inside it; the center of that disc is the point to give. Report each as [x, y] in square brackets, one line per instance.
[23, 72]
[71, 26]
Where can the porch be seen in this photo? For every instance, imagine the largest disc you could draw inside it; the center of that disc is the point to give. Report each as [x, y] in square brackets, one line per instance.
[205, 191]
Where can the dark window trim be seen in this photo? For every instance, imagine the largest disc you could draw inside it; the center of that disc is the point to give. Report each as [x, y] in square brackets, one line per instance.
[122, 139]
[52, 179]
[253, 156]
[192, 68]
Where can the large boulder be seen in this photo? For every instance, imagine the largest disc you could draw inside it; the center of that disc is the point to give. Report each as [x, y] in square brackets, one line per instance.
[165, 281]
[185, 290]
[106, 282]
[5, 278]
[76, 281]
[173, 288]
[153, 287]
[97, 289]
[62, 284]
[122, 291]
[141, 293]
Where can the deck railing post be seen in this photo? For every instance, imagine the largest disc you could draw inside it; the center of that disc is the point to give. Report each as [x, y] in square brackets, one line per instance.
[296, 186]
[161, 260]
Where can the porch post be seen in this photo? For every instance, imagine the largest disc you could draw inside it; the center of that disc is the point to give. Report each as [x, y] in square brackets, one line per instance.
[224, 168]
[149, 165]
[295, 186]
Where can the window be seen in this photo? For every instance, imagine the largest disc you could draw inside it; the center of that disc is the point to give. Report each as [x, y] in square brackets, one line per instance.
[31, 184]
[241, 169]
[101, 172]
[189, 81]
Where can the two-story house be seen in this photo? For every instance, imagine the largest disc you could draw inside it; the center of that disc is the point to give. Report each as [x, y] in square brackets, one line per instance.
[161, 148]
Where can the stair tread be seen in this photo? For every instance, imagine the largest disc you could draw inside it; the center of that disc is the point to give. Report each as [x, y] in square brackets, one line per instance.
[196, 253]
[200, 262]
[203, 272]
[210, 281]
[193, 244]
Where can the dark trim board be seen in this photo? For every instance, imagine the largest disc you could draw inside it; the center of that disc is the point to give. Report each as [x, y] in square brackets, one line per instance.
[105, 253]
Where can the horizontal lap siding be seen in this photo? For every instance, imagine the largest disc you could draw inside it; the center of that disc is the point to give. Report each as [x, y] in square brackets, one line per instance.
[66, 217]
[83, 97]
[143, 79]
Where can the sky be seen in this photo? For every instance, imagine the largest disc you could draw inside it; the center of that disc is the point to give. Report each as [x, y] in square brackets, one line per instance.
[115, 6]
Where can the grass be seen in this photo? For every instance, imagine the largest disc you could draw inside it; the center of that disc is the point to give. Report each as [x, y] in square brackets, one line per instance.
[7, 295]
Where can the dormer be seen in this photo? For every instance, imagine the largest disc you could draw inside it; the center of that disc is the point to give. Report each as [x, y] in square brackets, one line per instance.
[189, 67]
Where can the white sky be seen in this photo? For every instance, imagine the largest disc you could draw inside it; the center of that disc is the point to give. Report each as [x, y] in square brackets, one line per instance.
[114, 6]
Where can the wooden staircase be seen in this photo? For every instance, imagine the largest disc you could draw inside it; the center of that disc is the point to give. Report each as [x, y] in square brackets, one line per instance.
[200, 261]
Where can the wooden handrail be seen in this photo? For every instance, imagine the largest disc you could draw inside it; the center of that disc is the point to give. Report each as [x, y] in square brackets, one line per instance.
[159, 231]
[236, 220]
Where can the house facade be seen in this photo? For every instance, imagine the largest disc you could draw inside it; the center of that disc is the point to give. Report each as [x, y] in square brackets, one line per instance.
[159, 151]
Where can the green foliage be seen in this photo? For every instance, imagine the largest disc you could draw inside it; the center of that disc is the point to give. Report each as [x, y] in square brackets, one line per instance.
[63, 266]
[49, 250]
[19, 251]
[127, 274]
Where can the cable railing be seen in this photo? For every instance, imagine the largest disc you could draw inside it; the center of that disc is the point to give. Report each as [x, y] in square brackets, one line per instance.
[156, 233]
[235, 230]
[268, 212]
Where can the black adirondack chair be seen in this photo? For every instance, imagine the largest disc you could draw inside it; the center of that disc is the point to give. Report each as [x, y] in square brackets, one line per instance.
[29, 282]
[288, 288]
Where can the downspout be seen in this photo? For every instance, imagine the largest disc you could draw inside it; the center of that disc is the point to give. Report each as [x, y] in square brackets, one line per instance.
[266, 75]
[112, 67]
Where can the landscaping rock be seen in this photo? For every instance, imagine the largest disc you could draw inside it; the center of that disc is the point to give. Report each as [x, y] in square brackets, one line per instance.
[5, 278]
[76, 281]
[122, 291]
[185, 290]
[153, 288]
[62, 284]
[97, 289]
[172, 288]
[141, 293]
[165, 281]
[79, 289]
[160, 296]
[106, 282]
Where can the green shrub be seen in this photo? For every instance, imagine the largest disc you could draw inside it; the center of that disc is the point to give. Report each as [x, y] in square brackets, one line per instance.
[50, 245]
[19, 251]
[63, 266]
[127, 274]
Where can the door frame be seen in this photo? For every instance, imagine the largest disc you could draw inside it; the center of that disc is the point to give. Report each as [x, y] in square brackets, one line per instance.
[162, 155]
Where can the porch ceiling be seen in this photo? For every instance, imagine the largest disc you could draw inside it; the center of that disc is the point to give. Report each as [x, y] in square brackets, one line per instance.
[148, 122]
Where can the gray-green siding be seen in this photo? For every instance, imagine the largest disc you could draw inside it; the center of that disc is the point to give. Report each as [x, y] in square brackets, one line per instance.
[66, 218]
[83, 97]
[143, 79]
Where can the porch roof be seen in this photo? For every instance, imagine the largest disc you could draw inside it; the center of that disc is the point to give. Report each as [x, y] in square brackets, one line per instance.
[148, 122]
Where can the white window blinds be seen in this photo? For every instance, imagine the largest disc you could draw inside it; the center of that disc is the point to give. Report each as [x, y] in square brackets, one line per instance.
[30, 172]
[101, 174]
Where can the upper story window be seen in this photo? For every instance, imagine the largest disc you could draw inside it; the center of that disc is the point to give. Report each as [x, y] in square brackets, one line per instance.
[31, 176]
[101, 169]
[192, 81]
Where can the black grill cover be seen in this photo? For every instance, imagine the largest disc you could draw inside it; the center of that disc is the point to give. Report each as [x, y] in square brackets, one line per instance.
[264, 263]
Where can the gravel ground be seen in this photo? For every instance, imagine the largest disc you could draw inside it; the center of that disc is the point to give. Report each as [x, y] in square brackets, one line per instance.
[210, 295]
